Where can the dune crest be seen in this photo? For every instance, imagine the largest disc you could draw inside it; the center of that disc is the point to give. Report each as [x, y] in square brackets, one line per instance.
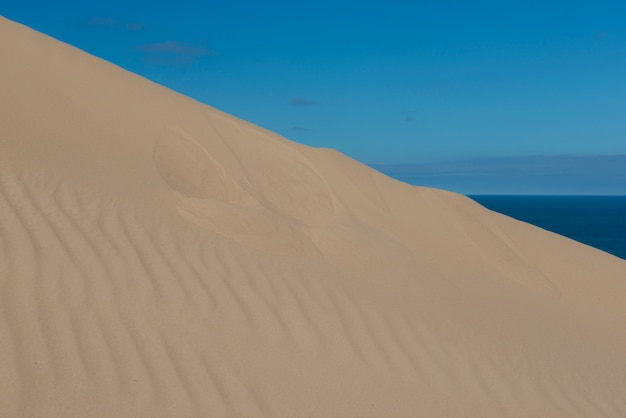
[161, 258]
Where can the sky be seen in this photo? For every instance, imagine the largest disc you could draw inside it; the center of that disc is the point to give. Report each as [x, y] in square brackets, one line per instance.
[478, 97]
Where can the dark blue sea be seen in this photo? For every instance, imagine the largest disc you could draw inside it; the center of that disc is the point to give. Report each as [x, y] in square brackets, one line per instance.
[598, 221]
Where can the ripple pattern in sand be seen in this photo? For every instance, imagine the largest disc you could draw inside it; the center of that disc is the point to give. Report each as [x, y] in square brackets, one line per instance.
[99, 304]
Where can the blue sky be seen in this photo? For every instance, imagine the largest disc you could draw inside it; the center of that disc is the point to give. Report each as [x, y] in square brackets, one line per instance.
[452, 94]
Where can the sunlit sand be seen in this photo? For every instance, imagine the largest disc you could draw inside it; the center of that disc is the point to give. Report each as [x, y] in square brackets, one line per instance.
[160, 258]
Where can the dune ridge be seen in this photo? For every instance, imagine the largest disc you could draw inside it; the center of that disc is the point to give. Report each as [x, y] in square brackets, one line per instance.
[159, 257]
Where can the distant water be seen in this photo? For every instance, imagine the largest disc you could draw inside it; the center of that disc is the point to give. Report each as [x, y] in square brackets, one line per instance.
[598, 221]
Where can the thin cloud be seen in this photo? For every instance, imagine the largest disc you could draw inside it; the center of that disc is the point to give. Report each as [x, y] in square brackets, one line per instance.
[175, 47]
[409, 116]
[602, 35]
[133, 26]
[540, 165]
[180, 61]
[173, 53]
[299, 101]
[107, 22]
[543, 174]
[111, 23]
[302, 129]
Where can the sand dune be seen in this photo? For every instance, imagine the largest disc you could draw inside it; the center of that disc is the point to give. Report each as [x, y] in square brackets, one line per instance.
[161, 258]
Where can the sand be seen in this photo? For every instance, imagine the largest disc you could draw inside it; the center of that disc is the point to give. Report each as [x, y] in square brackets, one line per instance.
[160, 258]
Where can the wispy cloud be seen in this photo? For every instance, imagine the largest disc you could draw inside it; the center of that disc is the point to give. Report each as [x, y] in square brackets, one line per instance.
[602, 35]
[175, 53]
[526, 165]
[299, 101]
[543, 174]
[175, 47]
[134, 26]
[107, 22]
[409, 116]
[111, 23]
[302, 129]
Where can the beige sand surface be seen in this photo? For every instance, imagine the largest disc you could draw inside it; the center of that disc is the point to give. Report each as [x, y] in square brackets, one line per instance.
[159, 258]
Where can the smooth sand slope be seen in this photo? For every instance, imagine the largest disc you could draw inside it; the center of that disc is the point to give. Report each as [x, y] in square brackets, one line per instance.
[159, 258]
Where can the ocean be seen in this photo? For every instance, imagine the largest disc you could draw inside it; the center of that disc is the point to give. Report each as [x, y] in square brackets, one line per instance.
[598, 221]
